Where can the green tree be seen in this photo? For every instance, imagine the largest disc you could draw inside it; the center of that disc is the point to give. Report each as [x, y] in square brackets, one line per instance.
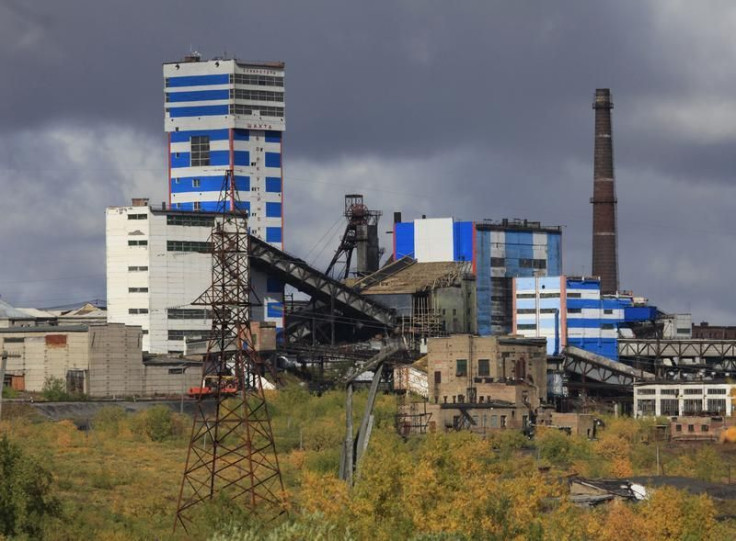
[26, 501]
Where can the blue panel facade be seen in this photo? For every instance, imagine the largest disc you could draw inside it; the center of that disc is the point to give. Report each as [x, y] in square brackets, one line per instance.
[242, 183]
[554, 254]
[197, 80]
[273, 159]
[640, 313]
[463, 241]
[189, 184]
[273, 210]
[241, 135]
[241, 157]
[202, 110]
[275, 309]
[273, 137]
[273, 234]
[274, 285]
[219, 157]
[404, 240]
[483, 281]
[273, 184]
[179, 159]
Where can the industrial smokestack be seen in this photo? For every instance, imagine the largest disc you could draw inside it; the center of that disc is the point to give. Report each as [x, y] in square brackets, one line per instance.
[605, 257]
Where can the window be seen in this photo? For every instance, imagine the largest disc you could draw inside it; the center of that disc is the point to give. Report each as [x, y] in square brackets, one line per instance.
[646, 407]
[188, 246]
[704, 428]
[549, 296]
[608, 311]
[668, 391]
[525, 295]
[573, 295]
[484, 367]
[137, 243]
[200, 155]
[574, 311]
[195, 183]
[437, 377]
[138, 310]
[197, 205]
[646, 391]
[691, 428]
[693, 406]
[461, 367]
[190, 220]
[693, 391]
[716, 391]
[669, 406]
[607, 326]
[137, 216]
[717, 405]
[137, 290]
[498, 262]
[678, 428]
[137, 269]
[14, 340]
[527, 326]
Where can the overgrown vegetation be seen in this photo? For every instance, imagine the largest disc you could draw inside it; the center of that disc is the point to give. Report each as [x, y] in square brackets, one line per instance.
[54, 390]
[120, 480]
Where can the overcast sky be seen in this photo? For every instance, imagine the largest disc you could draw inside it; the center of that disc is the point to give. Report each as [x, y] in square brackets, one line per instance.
[472, 109]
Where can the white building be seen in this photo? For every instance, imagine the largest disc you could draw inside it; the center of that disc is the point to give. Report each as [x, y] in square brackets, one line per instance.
[157, 265]
[684, 399]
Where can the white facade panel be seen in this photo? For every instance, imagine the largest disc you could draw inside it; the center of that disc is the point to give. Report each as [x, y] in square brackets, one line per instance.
[434, 240]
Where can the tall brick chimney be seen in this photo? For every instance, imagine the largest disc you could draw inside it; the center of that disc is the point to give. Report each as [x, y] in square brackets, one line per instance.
[605, 256]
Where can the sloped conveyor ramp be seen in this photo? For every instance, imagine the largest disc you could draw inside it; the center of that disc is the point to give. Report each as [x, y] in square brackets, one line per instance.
[603, 369]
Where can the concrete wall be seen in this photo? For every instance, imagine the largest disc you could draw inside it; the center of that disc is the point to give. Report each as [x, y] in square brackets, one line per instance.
[115, 361]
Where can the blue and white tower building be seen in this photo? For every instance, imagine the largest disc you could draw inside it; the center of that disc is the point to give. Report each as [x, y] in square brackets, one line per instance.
[226, 118]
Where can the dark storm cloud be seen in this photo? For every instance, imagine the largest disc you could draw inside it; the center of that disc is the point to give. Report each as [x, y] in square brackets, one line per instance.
[471, 109]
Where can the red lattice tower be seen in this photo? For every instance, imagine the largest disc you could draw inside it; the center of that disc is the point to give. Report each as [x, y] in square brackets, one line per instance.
[231, 451]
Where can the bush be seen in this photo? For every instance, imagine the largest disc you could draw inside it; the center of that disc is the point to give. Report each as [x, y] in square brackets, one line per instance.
[25, 493]
[54, 390]
[158, 423]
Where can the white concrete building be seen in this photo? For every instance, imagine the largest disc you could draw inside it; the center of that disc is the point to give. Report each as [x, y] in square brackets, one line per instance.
[684, 399]
[157, 265]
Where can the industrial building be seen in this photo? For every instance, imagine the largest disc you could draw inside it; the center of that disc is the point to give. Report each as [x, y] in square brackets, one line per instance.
[225, 121]
[484, 383]
[570, 311]
[101, 361]
[158, 263]
[498, 251]
[681, 398]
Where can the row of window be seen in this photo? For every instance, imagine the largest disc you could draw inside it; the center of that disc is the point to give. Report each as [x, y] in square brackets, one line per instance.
[260, 80]
[137, 216]
[690, 391]
[138, 268]
[461, 369]
[190, 220]
[263, 110]
[188, 313]
[534, 311]
[256, 95]
[541, 295]
[671, 406]
[137, 243]
[181, 335]
[137, 310]
[188, 246]
[137, 290]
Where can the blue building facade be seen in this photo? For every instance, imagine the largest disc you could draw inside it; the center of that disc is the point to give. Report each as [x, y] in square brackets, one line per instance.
[225, 120]
[499, 251]
[570, 311]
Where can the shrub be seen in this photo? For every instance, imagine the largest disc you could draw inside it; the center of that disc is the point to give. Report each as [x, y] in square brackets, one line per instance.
[25, 493]
[108, 419]
[158, 424]
[54, 390]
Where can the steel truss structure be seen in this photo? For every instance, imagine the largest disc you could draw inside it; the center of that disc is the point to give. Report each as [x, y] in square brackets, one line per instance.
[231, 450]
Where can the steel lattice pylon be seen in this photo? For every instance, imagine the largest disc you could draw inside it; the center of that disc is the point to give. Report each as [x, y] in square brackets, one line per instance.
[231, 450]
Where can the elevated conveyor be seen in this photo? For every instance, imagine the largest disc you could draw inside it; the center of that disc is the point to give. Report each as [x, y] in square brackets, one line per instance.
[602, 369]
[319, 286]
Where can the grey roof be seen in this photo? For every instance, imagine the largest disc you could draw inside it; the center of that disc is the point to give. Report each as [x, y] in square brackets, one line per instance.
[9, 312]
